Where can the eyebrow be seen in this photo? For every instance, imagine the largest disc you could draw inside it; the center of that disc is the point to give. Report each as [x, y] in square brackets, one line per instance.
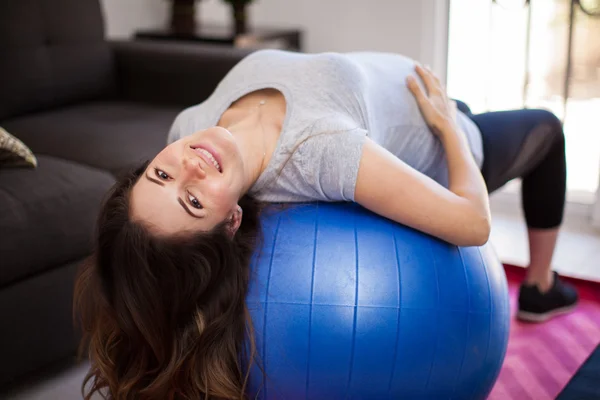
[185, 207]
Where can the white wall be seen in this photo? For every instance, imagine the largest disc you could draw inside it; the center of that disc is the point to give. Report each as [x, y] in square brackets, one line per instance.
[416, 28]
[596, 209]
[410, 27]
[124, 17]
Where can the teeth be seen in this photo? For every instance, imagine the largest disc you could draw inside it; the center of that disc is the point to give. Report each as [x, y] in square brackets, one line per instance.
[211, 158]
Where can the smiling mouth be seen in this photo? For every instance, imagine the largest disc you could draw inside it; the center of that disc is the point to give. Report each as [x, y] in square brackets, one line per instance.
[208, 157]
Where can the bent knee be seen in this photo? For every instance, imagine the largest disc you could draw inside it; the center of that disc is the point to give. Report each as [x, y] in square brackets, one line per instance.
[551, 125]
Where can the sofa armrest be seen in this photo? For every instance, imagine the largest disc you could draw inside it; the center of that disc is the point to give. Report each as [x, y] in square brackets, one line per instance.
[178, 74]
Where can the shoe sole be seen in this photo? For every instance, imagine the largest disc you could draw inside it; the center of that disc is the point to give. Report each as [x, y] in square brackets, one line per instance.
[536, 317]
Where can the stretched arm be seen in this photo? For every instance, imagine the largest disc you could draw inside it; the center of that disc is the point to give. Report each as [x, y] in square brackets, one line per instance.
[386, 185]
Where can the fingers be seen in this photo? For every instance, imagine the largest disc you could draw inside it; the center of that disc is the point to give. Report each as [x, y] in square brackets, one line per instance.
[416, 90]
[431, 81]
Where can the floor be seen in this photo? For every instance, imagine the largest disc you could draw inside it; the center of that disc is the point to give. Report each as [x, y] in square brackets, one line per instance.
[577, 255]
[578, 248]
[542, 358]
[584, 384]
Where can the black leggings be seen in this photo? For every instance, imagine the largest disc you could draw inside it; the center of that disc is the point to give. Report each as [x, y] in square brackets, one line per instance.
[527, 144]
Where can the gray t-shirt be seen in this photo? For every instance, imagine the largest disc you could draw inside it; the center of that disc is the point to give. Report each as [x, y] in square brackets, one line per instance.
[333, 102]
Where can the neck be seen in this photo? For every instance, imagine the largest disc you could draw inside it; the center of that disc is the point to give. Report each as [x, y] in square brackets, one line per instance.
[250, 136]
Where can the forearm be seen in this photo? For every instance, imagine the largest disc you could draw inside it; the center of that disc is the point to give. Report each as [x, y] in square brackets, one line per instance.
[464, 177]
[465, 205]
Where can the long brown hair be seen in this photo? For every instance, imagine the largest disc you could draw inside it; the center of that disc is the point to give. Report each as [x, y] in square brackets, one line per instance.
[165, 317]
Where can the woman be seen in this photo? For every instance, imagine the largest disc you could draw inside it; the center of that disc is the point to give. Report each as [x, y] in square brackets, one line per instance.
[162, 303]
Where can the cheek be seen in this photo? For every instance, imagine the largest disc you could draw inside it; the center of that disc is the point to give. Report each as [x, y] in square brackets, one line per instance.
[169, 153]
[222, 193]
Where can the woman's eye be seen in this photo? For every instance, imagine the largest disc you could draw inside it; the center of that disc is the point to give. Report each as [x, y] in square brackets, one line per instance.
[194, 201]
[161, 174]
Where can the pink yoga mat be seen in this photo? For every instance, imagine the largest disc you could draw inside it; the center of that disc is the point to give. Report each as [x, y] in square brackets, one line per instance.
[542, 358]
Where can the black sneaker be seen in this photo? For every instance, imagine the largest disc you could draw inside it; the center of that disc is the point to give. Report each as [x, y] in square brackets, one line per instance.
[535, 306]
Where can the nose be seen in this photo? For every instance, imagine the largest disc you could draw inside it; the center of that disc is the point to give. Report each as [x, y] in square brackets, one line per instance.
[193, 167]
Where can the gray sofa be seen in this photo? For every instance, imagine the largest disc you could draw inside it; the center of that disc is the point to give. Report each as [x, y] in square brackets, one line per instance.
[89, 109]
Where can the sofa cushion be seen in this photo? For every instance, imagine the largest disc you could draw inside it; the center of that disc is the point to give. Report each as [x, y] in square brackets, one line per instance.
[110, 135]
[48, 215]
[52, 53]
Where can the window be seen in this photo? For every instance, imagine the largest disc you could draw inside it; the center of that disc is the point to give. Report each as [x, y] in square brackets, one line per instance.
[506, 54]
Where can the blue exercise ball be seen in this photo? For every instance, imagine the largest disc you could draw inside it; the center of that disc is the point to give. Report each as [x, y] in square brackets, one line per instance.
[349, 305]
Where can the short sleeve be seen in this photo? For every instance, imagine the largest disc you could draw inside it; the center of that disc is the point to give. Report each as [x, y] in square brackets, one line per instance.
[331, 162]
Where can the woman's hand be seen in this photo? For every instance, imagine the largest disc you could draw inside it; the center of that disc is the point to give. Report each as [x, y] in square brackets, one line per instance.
[437, 109]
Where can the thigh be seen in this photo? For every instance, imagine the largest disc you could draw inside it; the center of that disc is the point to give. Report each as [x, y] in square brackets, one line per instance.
[514, 142]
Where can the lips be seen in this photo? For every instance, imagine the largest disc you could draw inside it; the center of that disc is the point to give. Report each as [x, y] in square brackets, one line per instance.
[209, 156]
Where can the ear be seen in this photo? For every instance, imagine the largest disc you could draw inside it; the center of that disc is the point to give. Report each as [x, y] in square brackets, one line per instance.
[234, 221]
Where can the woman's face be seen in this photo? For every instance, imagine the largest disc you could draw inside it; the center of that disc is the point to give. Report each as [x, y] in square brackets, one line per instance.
[193, 184]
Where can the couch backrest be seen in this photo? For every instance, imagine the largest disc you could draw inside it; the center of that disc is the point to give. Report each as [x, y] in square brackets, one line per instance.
[52, 52]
